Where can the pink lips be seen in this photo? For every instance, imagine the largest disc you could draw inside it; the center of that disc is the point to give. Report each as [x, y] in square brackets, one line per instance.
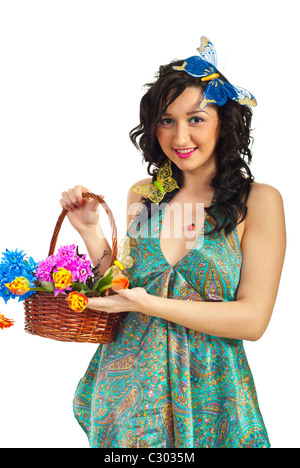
[185, 155]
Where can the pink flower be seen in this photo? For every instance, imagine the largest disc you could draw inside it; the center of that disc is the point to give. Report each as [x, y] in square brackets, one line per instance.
[44, 269]
[67, 257]
[84, 269]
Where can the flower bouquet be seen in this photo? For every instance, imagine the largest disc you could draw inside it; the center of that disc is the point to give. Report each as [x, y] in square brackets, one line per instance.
[66, 275]
[55, 290]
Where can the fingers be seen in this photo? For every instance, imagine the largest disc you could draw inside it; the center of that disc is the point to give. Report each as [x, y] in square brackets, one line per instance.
[73, 198]
[104, 304]
[123, 292]
[67, 202]
[126, 300]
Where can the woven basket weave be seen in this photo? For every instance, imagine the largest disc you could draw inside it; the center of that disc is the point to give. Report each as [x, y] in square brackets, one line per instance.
[51, 317]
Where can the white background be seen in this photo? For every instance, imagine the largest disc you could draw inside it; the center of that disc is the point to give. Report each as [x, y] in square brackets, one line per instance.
[71, 77]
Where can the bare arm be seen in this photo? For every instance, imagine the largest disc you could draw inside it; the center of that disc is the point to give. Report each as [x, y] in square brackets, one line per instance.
[83, 216]
[263, 249]
[96, 244]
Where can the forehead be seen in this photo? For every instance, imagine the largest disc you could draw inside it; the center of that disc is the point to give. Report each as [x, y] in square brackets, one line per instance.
[188, 101]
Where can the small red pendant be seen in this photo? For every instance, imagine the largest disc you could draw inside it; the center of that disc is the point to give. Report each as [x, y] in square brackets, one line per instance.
[191, 227]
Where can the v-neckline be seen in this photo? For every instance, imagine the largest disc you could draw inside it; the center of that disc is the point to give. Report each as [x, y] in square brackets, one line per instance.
[161, 214]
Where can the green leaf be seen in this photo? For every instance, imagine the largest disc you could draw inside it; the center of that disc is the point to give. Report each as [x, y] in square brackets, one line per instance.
[104, 282]
[80, 287]
[48, 285]
[92, 293]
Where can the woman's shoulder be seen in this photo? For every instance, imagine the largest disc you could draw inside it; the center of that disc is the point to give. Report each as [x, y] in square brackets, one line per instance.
[265, 215]
[263, 199]
[136, 196]
[264, 193]
[147, 180]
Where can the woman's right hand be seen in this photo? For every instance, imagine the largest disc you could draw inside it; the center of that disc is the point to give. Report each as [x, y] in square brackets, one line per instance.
[82, 213]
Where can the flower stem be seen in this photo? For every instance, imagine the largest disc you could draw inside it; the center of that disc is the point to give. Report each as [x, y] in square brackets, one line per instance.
[101, 290]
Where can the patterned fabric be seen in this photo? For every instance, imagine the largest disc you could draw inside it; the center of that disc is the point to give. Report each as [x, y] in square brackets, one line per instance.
[161, 385]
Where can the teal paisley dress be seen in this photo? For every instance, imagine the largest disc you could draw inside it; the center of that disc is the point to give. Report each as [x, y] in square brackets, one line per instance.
[161, 385]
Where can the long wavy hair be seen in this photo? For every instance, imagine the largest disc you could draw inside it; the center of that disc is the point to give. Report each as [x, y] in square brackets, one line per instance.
[232, 182]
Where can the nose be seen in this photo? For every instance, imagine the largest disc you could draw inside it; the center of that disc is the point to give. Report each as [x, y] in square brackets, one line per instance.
[181, 135]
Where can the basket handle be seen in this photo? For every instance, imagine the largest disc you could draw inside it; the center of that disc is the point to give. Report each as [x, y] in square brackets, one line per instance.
[114, 249]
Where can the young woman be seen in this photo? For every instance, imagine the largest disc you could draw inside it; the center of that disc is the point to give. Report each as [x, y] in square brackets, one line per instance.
[201, 282]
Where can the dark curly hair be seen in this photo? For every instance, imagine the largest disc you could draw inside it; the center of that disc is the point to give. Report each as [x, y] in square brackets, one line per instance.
[232, 182]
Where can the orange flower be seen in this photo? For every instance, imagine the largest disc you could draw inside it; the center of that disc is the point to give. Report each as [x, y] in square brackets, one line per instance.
[77, 301]
[62, 278]
[5, 323]
[119, 282]
[19, 286]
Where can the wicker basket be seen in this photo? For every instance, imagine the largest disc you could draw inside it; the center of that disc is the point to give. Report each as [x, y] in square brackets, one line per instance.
[51, 317]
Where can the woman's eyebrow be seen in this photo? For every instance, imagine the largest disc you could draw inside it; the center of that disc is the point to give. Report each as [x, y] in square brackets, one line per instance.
[196, 111]
[167, 114]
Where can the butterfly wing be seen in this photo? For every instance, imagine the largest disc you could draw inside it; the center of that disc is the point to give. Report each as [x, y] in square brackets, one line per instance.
[116, 270]
[156, 196]
[150, 191]
[208, 52]
[145, 189]
[197, 67]
[164, 171]
[241, 95]
[164, 177]
[127, 262]
[124, 253]
[169, 184]
[124, 248]
[215, 93]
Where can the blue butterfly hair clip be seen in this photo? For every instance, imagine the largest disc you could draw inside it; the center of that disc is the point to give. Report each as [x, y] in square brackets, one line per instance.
[217, 91]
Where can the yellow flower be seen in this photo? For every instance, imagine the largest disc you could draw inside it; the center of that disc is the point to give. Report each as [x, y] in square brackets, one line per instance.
[19, 286]
[62, 278]
[77, 301]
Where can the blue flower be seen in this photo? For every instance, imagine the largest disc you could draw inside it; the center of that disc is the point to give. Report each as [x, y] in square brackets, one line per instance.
[11, 257]
[13, 265]
[5, 293]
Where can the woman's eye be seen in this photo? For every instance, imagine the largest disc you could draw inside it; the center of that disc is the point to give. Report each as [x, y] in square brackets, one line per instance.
[166, 121]
[196, 120]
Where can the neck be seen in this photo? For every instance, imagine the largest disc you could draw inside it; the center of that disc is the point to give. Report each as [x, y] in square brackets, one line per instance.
[198, 182]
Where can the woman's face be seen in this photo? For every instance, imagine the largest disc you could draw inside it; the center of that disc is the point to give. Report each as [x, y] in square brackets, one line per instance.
[188, 135]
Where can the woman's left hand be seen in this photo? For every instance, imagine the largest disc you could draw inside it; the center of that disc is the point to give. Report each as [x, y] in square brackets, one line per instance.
[125, 300]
